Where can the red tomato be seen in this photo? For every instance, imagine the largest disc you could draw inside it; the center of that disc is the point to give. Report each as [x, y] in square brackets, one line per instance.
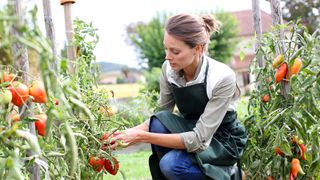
[112, 168]
[8, 77]
[303, 149]
[295, 168]
[278, 151]
[281, 72]
[56, 101]
[269, 178]
[40, 124]
[265, 98]
[295, 68]
[38, 92]
[96, 163]
[19, 91]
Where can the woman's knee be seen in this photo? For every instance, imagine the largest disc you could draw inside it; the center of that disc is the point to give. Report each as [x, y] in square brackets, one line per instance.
[167, 164]
[156, 126]
[177, 164]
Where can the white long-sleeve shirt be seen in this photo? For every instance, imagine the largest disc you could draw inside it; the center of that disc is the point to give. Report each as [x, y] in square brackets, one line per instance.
[221, 91]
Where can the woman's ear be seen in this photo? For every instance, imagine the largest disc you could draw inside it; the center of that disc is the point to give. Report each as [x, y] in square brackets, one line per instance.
[199, 49]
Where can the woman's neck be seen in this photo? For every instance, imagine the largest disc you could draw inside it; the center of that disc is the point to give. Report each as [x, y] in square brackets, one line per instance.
[190, 71]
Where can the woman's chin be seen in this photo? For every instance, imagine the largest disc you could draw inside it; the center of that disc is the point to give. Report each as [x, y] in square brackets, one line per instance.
[174, 67]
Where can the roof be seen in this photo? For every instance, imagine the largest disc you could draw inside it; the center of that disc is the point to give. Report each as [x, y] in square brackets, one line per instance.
[245, 19]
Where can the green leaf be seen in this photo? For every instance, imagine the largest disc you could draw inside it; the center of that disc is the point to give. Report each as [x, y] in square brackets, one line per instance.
[286, 149]
[31, 139]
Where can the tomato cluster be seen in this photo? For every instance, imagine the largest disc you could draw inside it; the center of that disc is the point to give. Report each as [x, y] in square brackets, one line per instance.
[16, 92]
[298, 149]
[110, 165]
[20, 92]
[283, 71]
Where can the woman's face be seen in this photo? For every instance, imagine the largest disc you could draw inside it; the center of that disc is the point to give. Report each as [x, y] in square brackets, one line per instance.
[178, 53]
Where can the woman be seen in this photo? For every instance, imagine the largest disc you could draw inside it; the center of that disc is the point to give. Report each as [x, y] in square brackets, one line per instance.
[205, 138]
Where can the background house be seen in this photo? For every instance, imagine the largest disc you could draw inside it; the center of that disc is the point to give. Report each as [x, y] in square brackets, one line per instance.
[247, 35]
[112, 73]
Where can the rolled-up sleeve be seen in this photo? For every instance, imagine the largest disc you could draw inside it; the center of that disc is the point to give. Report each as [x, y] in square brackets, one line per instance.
[200, 137]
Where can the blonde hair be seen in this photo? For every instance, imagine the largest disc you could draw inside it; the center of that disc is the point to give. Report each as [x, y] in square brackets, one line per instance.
[193, 30]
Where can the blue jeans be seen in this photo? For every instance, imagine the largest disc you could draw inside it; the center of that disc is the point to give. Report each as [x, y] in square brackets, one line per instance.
[175, 164]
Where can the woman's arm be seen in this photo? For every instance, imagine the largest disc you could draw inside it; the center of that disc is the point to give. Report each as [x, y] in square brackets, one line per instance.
[165, 140]
[142, 126]
[138, 135]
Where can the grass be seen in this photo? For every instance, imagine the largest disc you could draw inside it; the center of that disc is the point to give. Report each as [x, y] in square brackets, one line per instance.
[134, 166]
[242, 108]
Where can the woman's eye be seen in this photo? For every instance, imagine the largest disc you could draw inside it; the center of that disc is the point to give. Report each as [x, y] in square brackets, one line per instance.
[175, 52]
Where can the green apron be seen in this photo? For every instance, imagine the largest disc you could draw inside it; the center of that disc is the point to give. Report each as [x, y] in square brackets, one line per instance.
[227, 144]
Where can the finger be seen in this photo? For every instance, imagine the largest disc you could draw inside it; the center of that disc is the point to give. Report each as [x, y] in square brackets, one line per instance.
[116, 133]
[116, 138]
[114, 146]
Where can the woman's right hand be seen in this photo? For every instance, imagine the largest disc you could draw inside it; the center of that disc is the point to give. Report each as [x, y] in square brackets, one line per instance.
[126, 138]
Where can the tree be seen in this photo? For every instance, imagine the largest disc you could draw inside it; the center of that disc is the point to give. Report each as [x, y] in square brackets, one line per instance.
[223, 43]
[147, 39]
[307, 10]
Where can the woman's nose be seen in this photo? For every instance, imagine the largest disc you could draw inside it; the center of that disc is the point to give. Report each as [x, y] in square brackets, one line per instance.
[168, 57]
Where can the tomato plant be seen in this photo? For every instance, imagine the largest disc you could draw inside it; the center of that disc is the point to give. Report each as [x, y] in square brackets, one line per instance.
[66, 107]
[286, 129]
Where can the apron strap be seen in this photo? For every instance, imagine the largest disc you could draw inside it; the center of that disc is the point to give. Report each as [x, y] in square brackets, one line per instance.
[206, 73]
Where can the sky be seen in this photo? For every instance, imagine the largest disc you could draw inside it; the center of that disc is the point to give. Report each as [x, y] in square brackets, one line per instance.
[112, 17]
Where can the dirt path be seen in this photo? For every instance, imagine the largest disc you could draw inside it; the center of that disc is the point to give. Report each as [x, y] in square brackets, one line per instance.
[135, 148]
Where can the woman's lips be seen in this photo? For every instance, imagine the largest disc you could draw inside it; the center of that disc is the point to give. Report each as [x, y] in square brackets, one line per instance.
[172, 64]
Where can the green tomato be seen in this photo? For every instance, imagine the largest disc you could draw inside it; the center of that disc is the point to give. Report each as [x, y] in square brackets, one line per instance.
[5, 96]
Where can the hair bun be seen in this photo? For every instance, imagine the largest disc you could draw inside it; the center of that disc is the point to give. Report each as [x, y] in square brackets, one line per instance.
[210, 23]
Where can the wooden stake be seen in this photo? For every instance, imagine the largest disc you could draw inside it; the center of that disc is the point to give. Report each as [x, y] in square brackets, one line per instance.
[276, 13]
[21, 63]
[51, 34]
[258, 29]
[71, 53]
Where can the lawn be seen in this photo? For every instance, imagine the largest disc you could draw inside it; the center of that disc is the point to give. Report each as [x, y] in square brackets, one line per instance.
[134, 166]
